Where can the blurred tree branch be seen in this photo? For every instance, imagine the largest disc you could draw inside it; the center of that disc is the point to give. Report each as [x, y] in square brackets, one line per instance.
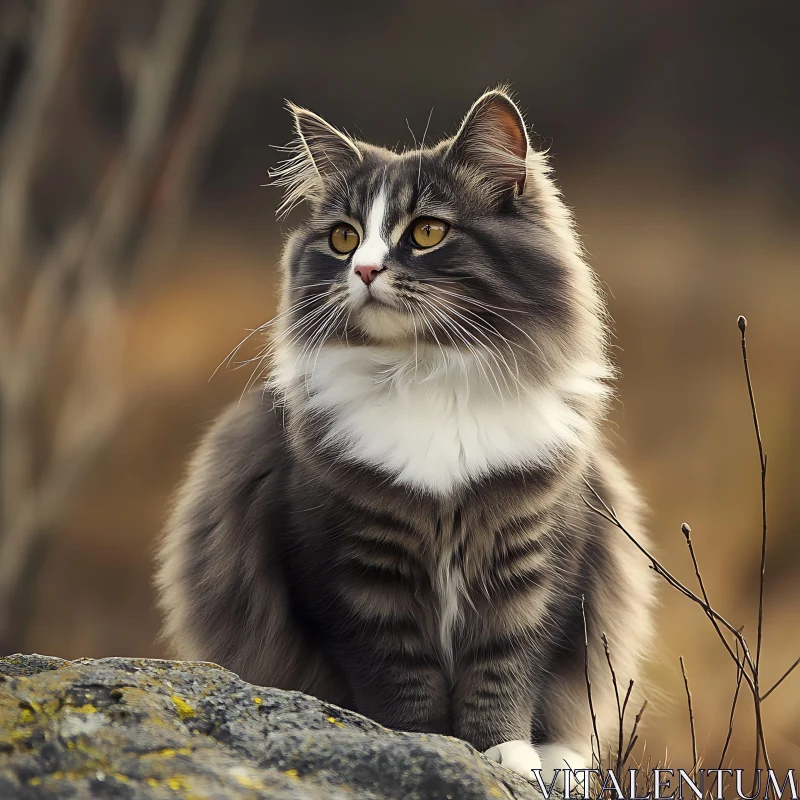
[27, 129]
[74, 289]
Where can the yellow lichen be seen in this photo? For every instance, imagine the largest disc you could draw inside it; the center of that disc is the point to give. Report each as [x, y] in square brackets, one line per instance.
[35, 781]
[335, 722]
[87, 708]
[250, 783]
[50, 707]
[169, 752]
[177, 782]
[258, 701]
[83, 745]
[185, 711]
[291, 773]
[152, 782]
[26, 716]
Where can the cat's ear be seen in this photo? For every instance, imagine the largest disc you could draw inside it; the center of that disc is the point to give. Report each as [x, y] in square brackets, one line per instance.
[319, 154]
[330, 150]
[493, 140]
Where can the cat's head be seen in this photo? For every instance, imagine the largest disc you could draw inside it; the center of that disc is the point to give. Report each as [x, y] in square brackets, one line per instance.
[463, 248]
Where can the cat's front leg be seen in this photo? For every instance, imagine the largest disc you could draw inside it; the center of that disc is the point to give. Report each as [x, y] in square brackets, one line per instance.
[380, 644]
[493, 701]
[404, 691]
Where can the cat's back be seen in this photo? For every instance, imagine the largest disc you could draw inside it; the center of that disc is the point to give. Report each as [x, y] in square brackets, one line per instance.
[245, 445]
[219, 536]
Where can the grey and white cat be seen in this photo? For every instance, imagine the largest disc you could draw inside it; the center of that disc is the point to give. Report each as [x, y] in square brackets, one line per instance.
[395, 522]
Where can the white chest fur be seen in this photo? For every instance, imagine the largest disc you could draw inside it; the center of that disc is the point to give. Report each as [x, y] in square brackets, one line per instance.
[450, 591]
[429, 418]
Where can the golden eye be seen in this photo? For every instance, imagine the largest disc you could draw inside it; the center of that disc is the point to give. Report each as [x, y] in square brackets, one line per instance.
[344, 238]
[427, 232]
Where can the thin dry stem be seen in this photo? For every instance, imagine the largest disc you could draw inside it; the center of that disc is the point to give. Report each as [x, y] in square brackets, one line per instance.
[780, 680]
[691, 718]
[735, 700]
[588, 680]
[749, 677]
[621, 720]
[747, 667]
[634, 736]
[762, 459]
[607, 513]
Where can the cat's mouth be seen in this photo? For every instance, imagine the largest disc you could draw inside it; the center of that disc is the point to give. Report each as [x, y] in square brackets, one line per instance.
[378, 294]
[382, 320]
[378, 311]
[372, 299]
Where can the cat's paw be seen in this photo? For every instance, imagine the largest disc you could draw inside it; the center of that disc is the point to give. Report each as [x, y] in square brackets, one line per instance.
[560, 757]
[518, 755]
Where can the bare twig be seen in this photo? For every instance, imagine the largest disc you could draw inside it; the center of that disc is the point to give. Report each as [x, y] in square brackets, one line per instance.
[588, 680]
[687, 533]
[747, 666]
[750, 676]
[733, 712]
[633, 737]
[619, 703]
[627, 698]
[762, 458]
[691, 718]
[780, 680]
[742, 323]
[659, 569]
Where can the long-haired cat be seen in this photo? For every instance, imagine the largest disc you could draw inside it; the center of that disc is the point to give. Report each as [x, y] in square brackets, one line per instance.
[395, 521]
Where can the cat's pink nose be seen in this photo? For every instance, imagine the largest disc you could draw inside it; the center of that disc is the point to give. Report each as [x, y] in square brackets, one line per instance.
[367, 272]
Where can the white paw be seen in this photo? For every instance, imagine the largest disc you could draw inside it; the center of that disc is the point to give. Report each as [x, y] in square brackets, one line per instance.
[560, 757]
[518, 755]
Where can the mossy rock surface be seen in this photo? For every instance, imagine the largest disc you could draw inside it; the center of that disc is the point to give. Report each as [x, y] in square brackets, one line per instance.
[137, 728]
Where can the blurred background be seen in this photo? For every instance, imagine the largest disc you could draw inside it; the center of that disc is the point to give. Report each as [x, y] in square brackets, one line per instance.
[138, 246]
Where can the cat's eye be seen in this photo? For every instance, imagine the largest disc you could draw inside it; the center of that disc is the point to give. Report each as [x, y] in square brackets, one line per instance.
[427, 232]
[344, 238]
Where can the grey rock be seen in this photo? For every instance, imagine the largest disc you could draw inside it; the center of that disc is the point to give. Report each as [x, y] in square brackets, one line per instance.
[135, 728]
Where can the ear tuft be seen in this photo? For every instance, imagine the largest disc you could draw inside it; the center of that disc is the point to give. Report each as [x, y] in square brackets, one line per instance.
[329, 148]
[318, 154]
[493, 140]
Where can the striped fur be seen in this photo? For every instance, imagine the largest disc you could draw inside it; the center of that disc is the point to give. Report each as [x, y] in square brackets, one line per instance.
[394, 522]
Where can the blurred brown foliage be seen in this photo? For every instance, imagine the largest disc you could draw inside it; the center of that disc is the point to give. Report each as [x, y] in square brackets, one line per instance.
[673, 131]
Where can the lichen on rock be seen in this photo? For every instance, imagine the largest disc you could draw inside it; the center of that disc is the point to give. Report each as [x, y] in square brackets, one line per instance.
[137, 728]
